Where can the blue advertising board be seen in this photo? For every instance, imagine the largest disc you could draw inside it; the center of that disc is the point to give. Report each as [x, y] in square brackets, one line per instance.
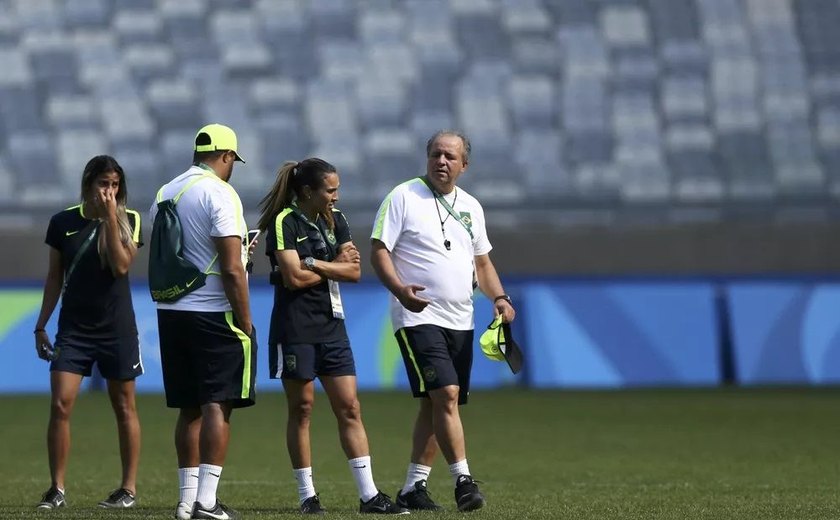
[785, 332]
[620, 334]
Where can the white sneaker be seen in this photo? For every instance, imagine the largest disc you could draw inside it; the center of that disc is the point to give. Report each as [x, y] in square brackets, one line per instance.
[183, 511]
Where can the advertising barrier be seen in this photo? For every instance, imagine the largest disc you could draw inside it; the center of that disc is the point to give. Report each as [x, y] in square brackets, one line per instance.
[607, 333]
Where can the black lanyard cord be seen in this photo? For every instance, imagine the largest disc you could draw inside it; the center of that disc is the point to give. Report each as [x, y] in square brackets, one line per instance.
[446, 243]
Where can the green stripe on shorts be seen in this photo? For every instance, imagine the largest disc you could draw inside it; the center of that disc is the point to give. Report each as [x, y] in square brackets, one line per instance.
[413, 361]
[246, 353]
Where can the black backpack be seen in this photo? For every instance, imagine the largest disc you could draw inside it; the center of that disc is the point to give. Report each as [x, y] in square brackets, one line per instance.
[171, 276]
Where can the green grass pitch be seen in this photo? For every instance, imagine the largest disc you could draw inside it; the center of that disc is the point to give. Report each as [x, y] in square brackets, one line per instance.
[641, 454]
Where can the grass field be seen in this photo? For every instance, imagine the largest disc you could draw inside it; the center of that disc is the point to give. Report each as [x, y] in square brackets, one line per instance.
[676, 454]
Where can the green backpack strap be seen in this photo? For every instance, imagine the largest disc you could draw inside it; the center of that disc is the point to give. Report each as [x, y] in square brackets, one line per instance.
[176, 198]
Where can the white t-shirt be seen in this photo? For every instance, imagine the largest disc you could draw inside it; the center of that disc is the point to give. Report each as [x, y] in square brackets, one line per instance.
[209, 208]
[410, 227]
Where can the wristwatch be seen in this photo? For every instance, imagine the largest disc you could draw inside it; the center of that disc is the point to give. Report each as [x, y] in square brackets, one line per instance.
[504, 297]
[309, 262]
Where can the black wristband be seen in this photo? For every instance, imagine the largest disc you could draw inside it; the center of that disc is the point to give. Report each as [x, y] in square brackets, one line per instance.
[504, 297]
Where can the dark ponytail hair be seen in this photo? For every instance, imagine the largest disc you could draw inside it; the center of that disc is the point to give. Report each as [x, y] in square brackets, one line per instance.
[288, 186]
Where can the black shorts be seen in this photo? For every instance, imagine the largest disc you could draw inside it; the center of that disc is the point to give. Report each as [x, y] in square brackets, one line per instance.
[310, 360]
[206, 358]
[436, 357]
[117, 358]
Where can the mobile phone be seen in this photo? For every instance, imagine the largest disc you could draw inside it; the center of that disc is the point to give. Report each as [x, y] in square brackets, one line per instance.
[252, 236]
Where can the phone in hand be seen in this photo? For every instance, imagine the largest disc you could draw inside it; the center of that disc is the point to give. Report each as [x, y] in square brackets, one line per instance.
[252, 236]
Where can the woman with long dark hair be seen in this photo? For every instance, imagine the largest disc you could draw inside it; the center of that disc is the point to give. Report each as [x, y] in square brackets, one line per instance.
[92, 246]
[310, 249]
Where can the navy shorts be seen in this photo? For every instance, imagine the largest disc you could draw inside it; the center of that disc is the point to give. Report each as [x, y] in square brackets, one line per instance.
[206, 358]
[436, 357]
[307, 361]
[117, 358]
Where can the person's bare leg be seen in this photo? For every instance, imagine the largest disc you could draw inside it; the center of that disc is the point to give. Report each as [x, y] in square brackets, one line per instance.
[187, 429]
[300, 399]
[446, 420]
[424, 446]
[64, 388]
[214, 436]
[128, 429]
[344, 401]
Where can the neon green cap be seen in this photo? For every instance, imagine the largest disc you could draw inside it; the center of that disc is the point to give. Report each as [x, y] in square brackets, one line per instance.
[217, 137]
[492, 338]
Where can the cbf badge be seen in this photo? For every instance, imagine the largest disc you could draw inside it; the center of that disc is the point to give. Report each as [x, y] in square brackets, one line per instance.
[291, 361]
[331, 237]
[466, 220]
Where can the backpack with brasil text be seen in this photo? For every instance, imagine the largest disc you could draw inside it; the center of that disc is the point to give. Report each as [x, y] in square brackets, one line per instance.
[171, 276]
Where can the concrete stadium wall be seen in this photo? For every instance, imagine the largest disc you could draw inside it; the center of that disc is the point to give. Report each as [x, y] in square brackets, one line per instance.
[732, 248]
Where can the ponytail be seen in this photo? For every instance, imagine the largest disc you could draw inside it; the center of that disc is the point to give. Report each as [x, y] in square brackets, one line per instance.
[281, 195]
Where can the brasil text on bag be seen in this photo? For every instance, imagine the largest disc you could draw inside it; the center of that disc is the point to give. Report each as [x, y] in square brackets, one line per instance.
[171, 276]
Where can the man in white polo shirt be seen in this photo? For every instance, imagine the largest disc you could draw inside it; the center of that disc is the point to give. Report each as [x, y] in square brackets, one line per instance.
[207, 341]
[430, 248]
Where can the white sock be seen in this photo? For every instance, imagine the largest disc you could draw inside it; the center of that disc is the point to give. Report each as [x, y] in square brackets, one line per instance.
[306, 487]
[60, 490]
[416, 473]
[458, 469]
[363, 475]
[208, 482]
[188, 485]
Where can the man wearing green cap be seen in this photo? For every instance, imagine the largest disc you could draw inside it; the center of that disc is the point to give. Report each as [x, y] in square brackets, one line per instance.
[430, 247]
[207, 341]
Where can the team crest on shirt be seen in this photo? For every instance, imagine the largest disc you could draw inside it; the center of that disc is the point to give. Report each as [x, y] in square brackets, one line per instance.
[291, 361]
[466, 220]
[429, 374]
[330, 237]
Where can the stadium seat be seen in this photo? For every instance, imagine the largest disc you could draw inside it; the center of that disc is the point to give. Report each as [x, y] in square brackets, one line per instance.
[7, 182]
[174, 104]
[71, 112]
[282, 140]
[539, 156]
[20, 110]
[34, 152]
[533, 102]
[138, 26]
[381, 28]
[381, 102]
[720, 101]
[149, 61]
[536, 55]
[525, 17]
[87, 13]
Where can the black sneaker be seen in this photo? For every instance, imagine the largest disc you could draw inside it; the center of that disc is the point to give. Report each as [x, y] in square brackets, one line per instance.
[418, 500]
[312, 506]
[52, 499]
[119, 499]
[217, 512]
[381, 505]
[467, 495]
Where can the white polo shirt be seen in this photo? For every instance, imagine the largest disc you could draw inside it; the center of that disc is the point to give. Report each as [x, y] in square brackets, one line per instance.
[410, 227]
[209, 208]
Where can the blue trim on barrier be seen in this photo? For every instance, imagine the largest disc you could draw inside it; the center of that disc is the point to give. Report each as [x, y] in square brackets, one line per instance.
[593, 331]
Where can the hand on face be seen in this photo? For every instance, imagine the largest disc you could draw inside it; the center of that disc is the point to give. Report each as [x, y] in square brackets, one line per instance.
[106, 201]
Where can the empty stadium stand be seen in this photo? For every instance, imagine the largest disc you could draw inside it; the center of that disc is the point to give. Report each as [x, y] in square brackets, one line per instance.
[580, 104]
